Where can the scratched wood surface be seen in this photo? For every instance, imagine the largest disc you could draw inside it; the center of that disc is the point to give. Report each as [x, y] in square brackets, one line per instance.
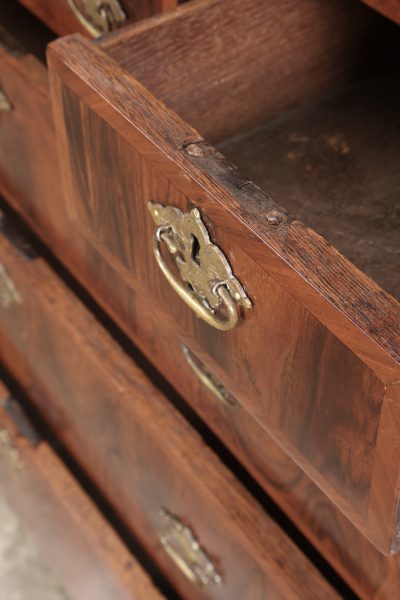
[76, 540]
[141, 453]
[58, 15]
[285, 372]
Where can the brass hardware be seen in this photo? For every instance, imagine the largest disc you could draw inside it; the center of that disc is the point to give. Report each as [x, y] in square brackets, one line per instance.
[98, 16]
[5, 105]
[10, 450]
[206, 281]
[209, 380]
[8, 292]
[181, 545]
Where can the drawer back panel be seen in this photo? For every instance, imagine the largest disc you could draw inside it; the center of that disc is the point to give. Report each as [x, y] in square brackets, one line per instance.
[254, 59]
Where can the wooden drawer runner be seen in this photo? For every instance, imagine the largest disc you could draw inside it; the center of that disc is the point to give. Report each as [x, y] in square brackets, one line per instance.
[141, 453]
[315, 359]
[78, 544]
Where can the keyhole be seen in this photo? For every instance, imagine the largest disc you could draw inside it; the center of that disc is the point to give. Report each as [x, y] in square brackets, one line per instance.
[195, 250]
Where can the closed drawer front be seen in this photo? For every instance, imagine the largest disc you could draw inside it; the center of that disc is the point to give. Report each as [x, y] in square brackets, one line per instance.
[89, 560]
[314, 354]
[201, 527]
[365, 569]
[28, 161]
[93, 18]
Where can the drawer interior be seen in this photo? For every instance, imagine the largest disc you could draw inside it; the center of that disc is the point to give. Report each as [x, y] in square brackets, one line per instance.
[335, 166]
[304, 101]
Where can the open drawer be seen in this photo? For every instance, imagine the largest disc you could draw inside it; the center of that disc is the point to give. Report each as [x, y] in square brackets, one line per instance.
[306, 340]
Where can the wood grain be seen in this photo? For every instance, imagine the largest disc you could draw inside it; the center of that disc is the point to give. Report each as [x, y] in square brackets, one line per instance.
[371, 574]
[291, 254]
[335, 175]
[248, 60]
[136, 447]
[359, 559]
[58, 15]
[82, 548]
[28, 165]
[364, 568]
[285, 372]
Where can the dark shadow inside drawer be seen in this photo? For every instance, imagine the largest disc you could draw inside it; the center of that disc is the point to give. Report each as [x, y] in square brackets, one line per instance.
[22, 33]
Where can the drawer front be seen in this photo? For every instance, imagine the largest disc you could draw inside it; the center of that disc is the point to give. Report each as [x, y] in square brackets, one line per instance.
[325, 403]
[90, 19]
[89, 559]
[28, 163]
[361, 565]
[192, 516]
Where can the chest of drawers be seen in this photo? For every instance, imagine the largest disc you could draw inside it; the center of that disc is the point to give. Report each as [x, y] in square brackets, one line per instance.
[286, 344]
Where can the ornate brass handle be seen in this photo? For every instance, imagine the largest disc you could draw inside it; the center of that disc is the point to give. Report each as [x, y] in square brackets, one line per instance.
[209, 380]
[98, 16]
[181, 545]
[206, 282]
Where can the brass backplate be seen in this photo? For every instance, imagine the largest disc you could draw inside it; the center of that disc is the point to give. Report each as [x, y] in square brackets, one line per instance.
[182, 546]
[201, 263]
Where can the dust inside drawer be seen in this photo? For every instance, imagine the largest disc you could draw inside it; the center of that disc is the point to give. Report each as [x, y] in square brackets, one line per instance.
[336, 167]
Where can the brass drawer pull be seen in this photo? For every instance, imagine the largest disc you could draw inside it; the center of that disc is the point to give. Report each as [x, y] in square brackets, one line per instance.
[98, 16]
[5, 105]
[206, 282]
[209, 380]
[181, 545]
